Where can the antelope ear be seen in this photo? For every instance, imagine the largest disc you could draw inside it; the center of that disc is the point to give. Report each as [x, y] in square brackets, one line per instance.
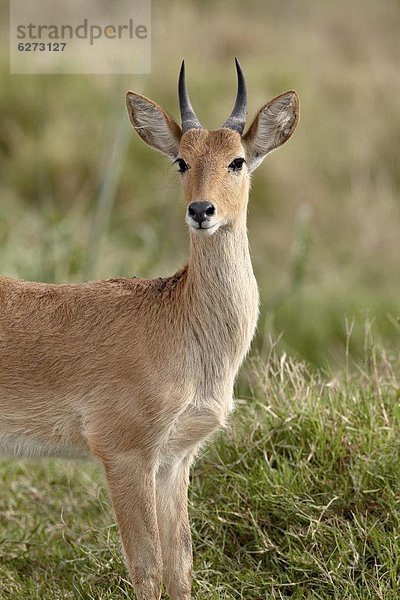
[153, 124]
[272, 127]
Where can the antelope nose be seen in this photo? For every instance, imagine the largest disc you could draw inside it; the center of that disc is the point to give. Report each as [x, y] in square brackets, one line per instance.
[199, 211]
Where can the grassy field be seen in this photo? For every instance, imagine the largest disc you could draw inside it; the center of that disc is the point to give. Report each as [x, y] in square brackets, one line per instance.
[299, 498]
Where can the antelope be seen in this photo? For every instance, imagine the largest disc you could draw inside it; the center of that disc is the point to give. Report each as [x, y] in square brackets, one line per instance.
[139, 373]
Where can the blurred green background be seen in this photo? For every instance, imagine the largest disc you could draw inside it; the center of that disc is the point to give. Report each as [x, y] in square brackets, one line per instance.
[81, 197]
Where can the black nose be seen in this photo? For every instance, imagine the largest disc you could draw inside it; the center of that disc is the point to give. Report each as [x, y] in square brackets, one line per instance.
[199, 211]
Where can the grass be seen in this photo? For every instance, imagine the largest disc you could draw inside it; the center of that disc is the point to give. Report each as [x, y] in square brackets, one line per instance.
[299, 498]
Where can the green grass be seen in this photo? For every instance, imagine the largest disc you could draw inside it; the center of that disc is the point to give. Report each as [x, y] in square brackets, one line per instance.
[298, 498]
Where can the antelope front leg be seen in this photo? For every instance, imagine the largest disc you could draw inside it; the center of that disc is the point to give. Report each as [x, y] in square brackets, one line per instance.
[131, 481]
[172, 482]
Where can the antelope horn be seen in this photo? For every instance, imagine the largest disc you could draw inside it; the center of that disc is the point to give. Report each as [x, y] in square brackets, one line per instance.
[237, 119]
[188, 116]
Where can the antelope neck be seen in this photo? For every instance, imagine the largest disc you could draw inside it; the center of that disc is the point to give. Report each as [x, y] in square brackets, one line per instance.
[220, 269]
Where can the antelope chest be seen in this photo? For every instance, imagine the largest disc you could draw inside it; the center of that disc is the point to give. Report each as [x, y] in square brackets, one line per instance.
[209, 399]
[217, 338]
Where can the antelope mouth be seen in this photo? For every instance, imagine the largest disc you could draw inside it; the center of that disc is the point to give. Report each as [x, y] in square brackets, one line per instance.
[205, 229]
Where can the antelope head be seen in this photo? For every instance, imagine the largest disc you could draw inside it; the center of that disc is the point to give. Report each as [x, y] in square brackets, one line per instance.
[215, 166]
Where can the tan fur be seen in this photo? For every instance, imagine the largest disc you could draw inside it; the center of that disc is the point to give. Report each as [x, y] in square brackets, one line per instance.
[138, 373]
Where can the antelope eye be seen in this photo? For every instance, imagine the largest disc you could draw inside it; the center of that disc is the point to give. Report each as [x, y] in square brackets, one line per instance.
[237, 164]
[183, 166]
